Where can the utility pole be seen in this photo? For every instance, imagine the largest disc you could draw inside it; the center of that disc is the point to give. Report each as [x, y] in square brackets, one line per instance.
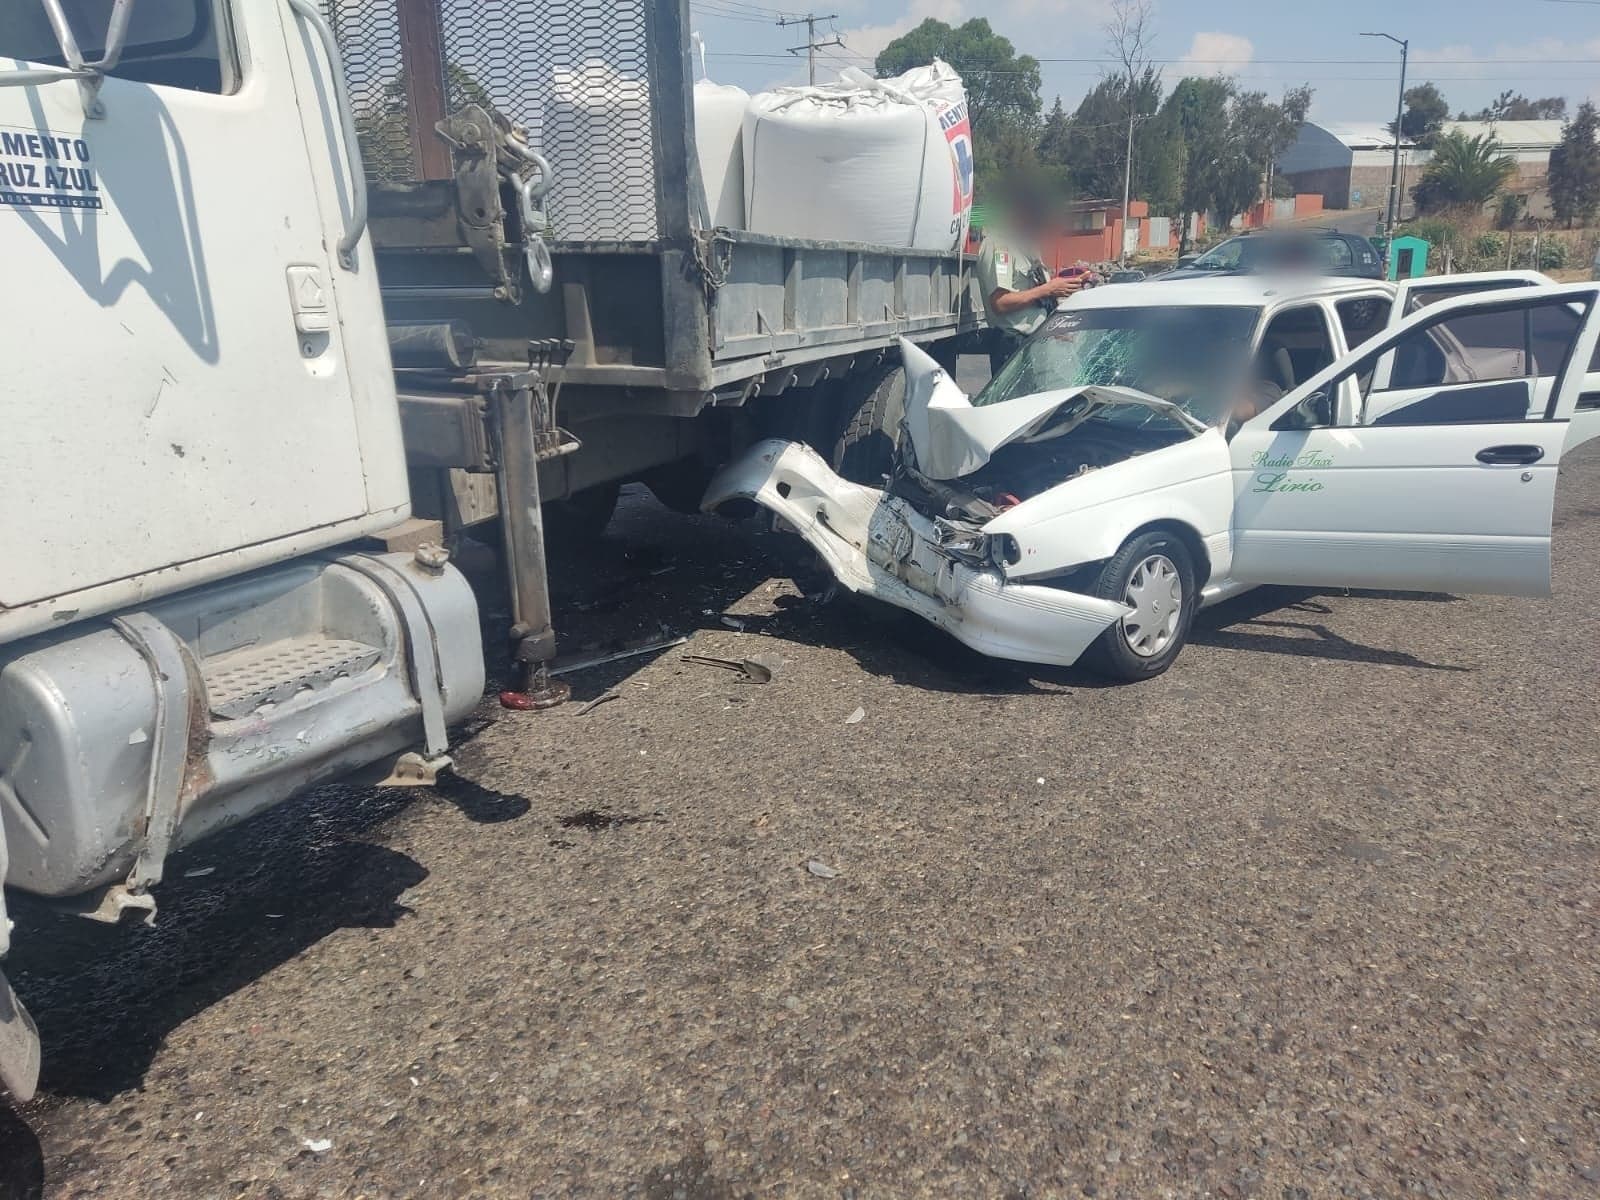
[1128, 36]
[812, 45]
[1127, 180]
[1393, 211]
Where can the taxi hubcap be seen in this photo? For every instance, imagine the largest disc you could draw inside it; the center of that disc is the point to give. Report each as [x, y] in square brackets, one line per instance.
[1155, 593]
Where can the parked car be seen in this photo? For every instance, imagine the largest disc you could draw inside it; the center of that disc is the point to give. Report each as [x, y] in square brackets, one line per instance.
[1317, 252]
[1103, 486]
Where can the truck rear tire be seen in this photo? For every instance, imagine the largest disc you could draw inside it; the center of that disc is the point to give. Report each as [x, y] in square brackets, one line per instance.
[864, 452]
[582, 517]
[679, 485]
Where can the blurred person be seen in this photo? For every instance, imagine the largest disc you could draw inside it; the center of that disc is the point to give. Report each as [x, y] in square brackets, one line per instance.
[1018, 291]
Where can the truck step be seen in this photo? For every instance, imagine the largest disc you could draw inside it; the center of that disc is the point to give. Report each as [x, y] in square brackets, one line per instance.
[240, 682]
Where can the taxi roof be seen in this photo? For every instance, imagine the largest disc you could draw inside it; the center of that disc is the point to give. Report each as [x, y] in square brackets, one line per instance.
[1255, 291]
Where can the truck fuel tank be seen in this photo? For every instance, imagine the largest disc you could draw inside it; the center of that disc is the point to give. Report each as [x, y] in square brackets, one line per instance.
[151, 729]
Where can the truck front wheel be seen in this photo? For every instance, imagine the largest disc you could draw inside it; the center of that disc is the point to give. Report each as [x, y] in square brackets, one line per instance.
[872, 412]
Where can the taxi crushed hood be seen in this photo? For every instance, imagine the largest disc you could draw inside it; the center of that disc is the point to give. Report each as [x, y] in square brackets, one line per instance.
[950, 438]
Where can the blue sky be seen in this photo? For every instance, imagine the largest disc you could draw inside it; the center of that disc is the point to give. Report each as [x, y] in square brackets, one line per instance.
[1473, 49]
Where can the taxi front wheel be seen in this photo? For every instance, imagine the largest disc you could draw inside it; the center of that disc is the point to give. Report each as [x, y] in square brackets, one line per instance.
[1154, 575]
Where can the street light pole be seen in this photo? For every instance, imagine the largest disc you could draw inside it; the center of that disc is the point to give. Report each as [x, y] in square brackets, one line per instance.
[1392, 213]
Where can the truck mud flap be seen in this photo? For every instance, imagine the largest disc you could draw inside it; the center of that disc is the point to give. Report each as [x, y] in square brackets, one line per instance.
[880, 546]
[19, 1046]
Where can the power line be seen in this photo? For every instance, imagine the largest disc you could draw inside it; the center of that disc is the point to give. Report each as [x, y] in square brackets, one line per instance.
[754, 9]
[1269, 62]
[708, 10]
[774, 58]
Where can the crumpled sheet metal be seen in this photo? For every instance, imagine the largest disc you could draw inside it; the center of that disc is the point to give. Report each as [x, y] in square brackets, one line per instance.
[880, 546]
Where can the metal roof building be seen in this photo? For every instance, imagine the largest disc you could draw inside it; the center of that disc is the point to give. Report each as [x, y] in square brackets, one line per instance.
[1350, 164]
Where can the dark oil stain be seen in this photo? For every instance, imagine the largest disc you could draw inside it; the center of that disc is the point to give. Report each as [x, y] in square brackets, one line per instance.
[1365, 852]
[598, 820]
[690, 1178]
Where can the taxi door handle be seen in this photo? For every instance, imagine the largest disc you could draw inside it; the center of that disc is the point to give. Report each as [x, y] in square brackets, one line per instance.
[1511, 456]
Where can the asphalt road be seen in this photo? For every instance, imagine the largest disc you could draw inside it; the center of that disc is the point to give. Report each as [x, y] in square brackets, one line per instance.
[1364, 221]
[1312, 915]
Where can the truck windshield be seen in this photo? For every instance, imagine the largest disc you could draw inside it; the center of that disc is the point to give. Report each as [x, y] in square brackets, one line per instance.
[1192, 355]
[171, 42]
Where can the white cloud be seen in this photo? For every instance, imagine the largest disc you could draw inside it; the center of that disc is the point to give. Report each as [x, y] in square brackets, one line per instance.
[1559, 55]
[868, 40]
[1547, 67]
[1217, 54]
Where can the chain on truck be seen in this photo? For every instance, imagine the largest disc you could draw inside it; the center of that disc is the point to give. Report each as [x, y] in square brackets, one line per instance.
[303, 291]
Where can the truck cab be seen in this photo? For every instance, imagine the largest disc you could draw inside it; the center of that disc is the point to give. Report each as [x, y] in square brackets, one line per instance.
[202, 440]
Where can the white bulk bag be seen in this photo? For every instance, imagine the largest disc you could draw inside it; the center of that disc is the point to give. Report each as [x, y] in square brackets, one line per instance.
[719, 142]
[596, 131]
[863, 160]
[939, 89]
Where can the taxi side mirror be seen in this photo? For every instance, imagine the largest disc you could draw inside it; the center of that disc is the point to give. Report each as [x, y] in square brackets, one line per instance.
[1314, 412]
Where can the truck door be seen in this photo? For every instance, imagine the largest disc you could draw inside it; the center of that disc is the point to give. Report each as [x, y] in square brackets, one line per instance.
[189, 368]
[1444, 477]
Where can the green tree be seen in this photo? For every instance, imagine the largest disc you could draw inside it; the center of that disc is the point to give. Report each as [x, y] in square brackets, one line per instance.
[1269, 129]
[1053, 134]
[1465, 173]
[1514, 106]
[1258, 131]
[1009, 150]
[1198, 111]
[1509, 210]
[1054, 147]
[1159, 156]
[1092, 146]
[1002, 85]
[1575, 168]
[1426, 112]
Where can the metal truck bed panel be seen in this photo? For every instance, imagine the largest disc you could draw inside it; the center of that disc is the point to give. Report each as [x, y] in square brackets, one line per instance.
[719, 311]
[779, 295]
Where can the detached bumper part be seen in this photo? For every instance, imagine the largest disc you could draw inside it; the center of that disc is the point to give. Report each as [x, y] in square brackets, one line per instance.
[880, 546]
[19, 1040]
[19, 1047]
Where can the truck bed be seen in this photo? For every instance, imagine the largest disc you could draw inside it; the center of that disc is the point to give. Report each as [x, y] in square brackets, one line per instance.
[718, 315]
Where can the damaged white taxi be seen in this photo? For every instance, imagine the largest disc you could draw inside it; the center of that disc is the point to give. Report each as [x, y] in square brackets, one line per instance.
[1156, 448]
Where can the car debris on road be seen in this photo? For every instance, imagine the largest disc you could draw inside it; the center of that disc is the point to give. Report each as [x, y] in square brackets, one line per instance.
[749, 669]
